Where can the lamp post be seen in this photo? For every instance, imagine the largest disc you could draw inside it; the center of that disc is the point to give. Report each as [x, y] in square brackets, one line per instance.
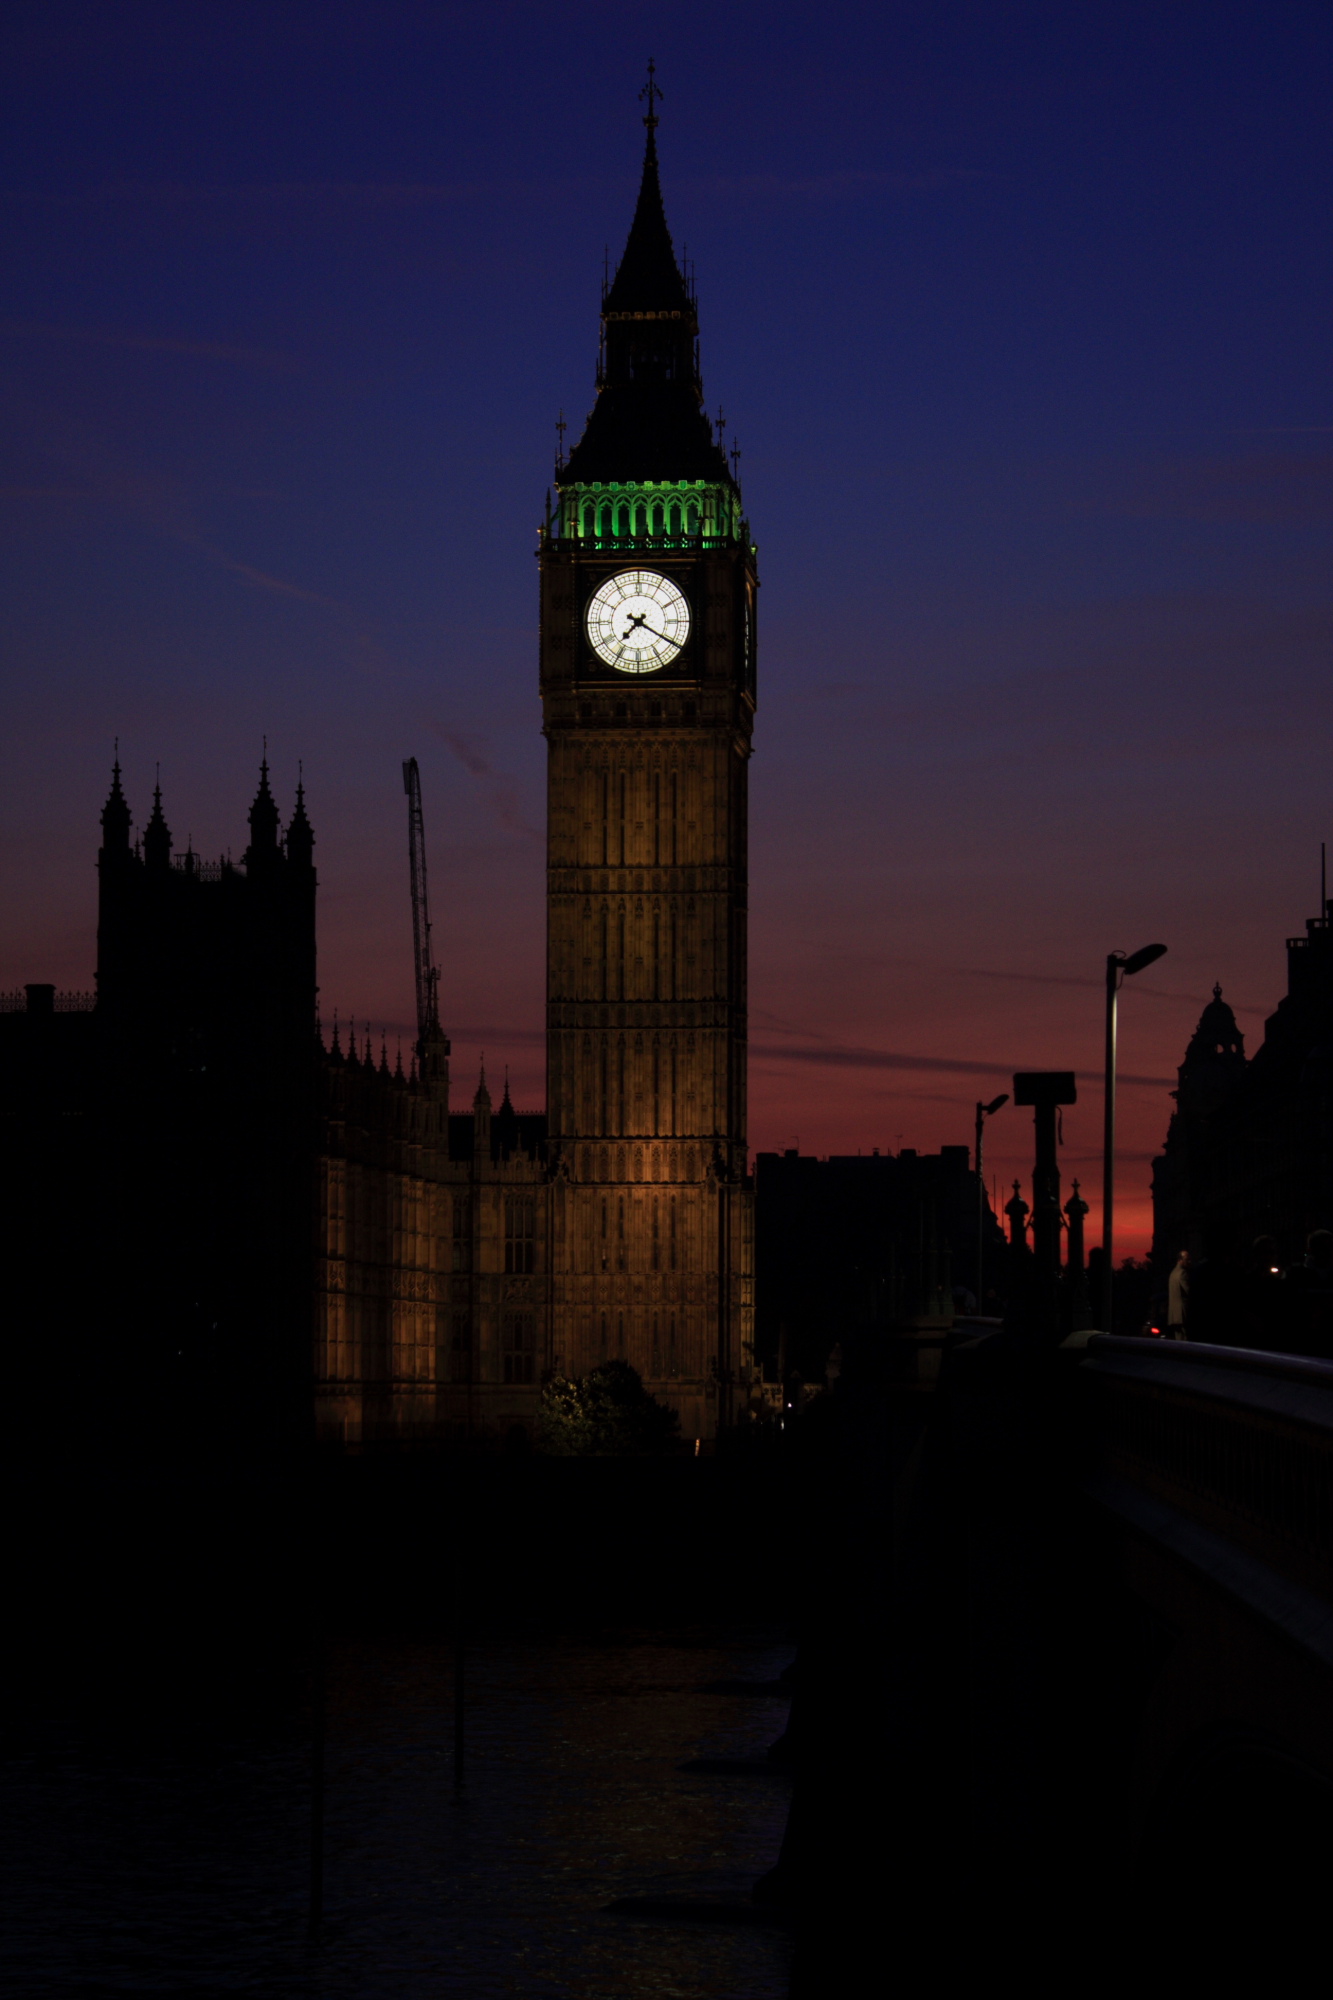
[1119, 966]
[984, 1111]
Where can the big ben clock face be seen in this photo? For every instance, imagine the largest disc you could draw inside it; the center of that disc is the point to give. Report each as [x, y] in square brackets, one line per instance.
[638, 621]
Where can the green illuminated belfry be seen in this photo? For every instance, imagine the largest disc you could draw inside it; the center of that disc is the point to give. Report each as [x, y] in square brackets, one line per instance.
[648, 468]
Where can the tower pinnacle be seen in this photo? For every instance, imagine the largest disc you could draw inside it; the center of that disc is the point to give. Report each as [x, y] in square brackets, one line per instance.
[648, 422]
[157, 834]
[300, 834]
[116, 811]
[263, 820]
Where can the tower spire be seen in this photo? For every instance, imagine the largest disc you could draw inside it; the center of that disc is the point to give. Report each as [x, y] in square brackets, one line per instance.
[116, 812]
[157, 834]
[300, 842]
[648, 422]
[263, 820]
[648, 278]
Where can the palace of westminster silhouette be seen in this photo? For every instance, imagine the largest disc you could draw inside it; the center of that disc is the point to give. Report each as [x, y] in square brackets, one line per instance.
[458, 1258]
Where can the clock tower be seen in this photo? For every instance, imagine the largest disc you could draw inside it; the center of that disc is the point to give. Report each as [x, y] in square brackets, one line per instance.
[648, 595]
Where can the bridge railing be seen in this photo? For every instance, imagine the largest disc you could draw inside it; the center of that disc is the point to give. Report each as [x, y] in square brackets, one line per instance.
[1236, 1442]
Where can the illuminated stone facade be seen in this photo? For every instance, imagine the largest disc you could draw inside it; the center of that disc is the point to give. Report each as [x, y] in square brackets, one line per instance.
[431, 1299]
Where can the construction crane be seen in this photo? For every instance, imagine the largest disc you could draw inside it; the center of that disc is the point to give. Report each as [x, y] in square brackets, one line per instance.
[427, 974]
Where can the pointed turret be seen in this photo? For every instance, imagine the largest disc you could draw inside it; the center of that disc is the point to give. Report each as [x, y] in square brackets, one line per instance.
[481, 1119]
[648, 422]
[157, 835]
[263, 846]
[116, 820]
[300, 841]
[506, 1124]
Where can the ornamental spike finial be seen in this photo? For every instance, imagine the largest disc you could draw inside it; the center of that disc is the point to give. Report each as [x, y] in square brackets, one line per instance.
[652, 93]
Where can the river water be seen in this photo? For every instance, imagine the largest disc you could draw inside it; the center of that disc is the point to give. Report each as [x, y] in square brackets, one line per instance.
[164, 1846]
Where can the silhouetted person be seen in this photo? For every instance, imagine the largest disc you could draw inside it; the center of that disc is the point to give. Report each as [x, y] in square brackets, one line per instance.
[1178, 1298]
[1310, 1293]
[1263, 1296]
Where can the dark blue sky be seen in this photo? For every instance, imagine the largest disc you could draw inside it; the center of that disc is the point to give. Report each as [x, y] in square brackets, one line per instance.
[1021, 315]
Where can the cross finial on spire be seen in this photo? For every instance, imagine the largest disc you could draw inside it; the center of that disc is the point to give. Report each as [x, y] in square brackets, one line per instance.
[652, 93]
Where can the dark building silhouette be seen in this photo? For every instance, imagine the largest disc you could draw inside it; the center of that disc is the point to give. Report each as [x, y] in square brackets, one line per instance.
[860, 1247]
[224, 1234]
[158, 1143]
[1249, 1148]
[54, 1363]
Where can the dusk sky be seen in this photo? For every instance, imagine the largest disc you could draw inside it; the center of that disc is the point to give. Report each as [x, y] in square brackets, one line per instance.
[1021, 316]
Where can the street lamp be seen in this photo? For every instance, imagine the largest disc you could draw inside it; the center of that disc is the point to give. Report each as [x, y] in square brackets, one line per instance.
[984, 1111]
[1119, 966]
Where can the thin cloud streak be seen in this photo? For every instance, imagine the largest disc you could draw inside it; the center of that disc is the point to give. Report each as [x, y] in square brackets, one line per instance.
[260, 579]
[146, 343]
[853, 1058]
[501, 791]
[1097, 985]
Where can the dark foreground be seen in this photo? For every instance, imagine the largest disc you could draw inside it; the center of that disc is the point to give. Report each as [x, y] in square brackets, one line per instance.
[162, 1858]
[1064, 1651]
[229, 1743]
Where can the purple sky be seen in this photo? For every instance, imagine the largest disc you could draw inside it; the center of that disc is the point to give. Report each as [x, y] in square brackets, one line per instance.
[1021, 316]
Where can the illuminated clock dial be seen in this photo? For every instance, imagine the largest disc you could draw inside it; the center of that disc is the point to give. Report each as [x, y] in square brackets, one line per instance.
[637, 621]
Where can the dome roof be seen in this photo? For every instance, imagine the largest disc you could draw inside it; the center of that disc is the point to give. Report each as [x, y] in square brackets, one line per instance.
[1216, 1035]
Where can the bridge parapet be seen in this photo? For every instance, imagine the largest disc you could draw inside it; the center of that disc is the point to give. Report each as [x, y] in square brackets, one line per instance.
[1236, 1444]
